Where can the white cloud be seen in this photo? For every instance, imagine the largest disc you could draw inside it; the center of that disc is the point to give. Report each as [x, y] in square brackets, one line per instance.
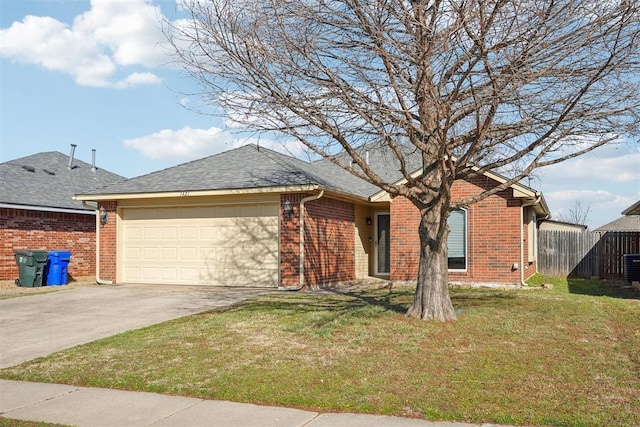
[190, 144]
[184, 144]
[130, 29]
[137, 79]
[595, 198]
[610, 164]
[99, 44]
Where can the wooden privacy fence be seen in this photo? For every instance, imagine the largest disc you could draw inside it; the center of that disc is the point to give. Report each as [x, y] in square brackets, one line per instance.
[586, 254]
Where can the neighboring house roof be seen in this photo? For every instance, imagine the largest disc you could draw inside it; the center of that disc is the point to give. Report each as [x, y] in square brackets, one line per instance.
[629, 222]
[633, 209]
[44, 181]
[625, 223]
[550, 224]
[252, 168]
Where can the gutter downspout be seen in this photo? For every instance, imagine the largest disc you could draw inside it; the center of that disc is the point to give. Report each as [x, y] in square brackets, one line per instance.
[98, 280]
[301, 249]
[525, 205]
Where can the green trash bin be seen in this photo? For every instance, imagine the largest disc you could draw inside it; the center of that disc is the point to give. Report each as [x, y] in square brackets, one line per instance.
[31, 266]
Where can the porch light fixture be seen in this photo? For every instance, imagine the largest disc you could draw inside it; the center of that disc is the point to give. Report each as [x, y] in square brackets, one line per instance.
[287, 209]
[369, 220]
[104, 217]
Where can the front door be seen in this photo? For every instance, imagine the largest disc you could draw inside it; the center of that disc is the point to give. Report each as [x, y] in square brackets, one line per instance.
[382, 244]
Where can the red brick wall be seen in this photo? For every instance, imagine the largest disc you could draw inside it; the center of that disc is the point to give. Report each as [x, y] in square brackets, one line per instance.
[404, 240]
[329, 242]
[108, 243]
[26, 229]
[290, 241]
[493, 236]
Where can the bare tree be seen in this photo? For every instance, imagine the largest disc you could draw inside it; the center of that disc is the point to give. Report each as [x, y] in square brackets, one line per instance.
[472, 85]
[578, 213]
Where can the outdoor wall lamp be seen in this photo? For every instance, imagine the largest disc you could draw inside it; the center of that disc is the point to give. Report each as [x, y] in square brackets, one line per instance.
[287, 209]
[104, 217]
[369, 220]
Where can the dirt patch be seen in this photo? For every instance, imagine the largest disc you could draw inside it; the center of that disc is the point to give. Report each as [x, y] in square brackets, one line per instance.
[9, 289]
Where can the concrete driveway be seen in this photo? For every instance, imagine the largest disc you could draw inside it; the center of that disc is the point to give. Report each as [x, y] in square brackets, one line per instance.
[38, 325]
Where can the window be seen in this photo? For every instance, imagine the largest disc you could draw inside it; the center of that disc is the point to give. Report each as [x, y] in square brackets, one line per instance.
[532, 235]
[457, 241]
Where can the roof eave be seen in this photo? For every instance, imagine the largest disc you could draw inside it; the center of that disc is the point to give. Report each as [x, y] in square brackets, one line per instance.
[338, 194]
[633, 209]
[47, 209]
[196, 193]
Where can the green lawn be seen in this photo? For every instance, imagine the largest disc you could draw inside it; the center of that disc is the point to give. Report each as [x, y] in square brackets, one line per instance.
[10, 422]
[529, 357]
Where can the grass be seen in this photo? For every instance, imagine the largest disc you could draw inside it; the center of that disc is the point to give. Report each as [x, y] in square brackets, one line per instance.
[528, 357]
[8, 288]
[10, 422]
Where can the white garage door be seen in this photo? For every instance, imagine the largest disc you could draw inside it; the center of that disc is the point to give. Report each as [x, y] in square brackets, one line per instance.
[209, 245]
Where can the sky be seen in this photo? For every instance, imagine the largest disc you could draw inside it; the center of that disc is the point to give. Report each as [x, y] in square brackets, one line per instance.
[98, 74]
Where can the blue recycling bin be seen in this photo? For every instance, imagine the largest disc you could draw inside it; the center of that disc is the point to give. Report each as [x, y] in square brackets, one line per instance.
[57, 267]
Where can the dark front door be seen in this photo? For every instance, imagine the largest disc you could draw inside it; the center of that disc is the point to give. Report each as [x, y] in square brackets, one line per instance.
[382, 252]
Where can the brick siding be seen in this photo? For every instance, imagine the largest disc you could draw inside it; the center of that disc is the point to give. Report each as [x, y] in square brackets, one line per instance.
[493, 237]
[290, 241]
[108, 242]
[329, 242]
[39, 230]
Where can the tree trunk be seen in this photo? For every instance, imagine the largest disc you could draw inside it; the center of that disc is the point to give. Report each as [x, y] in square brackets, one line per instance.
[431, 300]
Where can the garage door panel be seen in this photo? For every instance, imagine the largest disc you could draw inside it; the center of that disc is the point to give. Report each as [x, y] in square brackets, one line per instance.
[150, 273]
[134, 232]
[188, 233]
[133, 273]
[212, 245]
[151, 233]
[169, 254]
[169, 233]
[207, 232]
[151, 253]
[132, 253]
[188, 253]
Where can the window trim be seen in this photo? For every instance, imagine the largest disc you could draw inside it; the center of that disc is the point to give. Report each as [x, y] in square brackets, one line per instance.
[466, 243]
[532, 236]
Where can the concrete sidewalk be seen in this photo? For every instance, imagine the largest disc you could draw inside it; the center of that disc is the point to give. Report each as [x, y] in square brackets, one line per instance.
[81, 406]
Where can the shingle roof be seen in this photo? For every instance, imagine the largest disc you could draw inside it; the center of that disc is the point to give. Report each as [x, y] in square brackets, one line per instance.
[253, 167]
[44, 180]
[625, 223]
[245, 167]
[383, 161]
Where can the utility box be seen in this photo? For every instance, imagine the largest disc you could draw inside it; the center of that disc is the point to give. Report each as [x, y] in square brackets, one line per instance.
[631, 268]
[31, 265]
[57, 265]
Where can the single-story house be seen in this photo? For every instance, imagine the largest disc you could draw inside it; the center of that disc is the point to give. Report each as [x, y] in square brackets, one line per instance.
[254, 217]
[628, 222]
[37, 210]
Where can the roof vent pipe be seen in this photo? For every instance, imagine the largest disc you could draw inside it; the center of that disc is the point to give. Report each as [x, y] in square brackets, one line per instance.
[367, 157]
[93, 160]
[73, 150]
